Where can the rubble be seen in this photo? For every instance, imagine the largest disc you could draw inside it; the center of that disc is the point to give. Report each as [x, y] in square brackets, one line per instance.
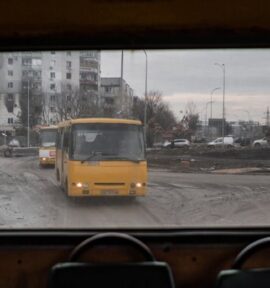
[202, 160]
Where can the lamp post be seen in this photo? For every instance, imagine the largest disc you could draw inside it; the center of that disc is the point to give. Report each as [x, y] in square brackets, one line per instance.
[211, 94]
[222, 66]
[121, 84]
[249, 117]
[206, 110]
[145, 95]
[28, 122]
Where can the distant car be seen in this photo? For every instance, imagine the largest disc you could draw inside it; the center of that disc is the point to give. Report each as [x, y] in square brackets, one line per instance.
[180, 143]
[260, 142]
[183, 143]
[228, 142]
[167, 144]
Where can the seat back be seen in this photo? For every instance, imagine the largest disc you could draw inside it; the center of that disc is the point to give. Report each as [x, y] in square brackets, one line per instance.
[255, 278]
[124, 275]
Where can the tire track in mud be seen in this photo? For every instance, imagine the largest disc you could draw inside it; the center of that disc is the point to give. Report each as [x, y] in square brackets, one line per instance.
[30, 197]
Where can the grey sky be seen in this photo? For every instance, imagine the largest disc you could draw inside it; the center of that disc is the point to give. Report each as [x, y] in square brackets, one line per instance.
[190, 75]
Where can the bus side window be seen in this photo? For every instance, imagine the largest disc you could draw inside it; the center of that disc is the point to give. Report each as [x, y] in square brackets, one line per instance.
[66, 140]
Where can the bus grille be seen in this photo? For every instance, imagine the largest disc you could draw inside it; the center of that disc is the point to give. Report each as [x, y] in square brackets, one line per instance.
[109, 184]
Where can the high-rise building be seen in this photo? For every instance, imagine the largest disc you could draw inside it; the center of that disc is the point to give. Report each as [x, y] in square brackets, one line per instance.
[46, 80]
[10, 87]
[116, 96]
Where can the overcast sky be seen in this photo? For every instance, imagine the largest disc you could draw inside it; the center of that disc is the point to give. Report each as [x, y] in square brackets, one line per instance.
[190, 75]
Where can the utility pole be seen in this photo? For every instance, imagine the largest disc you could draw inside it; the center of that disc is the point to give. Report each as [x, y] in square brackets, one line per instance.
[212, 92]
[121, 84]
[145, 96]
[222, 66]
[28, 112]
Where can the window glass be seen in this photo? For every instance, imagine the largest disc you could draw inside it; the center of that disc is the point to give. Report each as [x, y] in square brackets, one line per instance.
[47, 137]
[184, 132]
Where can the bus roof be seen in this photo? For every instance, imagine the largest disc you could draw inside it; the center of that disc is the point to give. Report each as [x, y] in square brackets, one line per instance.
[99, 120]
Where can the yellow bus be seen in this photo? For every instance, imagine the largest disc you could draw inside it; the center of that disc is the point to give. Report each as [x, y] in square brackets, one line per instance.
[47, 145]
[101, 157]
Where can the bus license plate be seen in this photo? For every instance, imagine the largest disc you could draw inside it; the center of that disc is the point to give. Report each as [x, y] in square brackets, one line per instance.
[109, 192]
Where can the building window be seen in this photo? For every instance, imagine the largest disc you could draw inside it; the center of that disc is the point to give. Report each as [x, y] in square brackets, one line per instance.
[52, 64]
[68, 64]
[52, 98]
[68, 75]
[52, 109]
[27, 61]
[10, 84]
[68, 53]
[37, 74]
[109, 101]
[10, 73]
[10, 120]
[68, 98]
[69, 87]
[52, 75]
[10, 61]
[36, 62]
[52, 86]
[52, 52]
[108, 89]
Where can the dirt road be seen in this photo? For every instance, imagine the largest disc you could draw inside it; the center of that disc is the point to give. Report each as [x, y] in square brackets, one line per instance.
[30, 198]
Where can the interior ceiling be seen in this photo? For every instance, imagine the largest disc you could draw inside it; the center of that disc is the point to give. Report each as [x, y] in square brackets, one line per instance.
[134, 23]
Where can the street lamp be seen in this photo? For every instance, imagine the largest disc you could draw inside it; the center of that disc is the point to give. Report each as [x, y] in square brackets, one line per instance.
[122, 72]
[222, 66]
[249, 117]
[206, 109]
[145, 95]
[212, 92]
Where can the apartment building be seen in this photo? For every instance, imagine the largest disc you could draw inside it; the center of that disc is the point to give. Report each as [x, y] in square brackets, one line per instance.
[116, 96]
[48, 80]
[10, 87]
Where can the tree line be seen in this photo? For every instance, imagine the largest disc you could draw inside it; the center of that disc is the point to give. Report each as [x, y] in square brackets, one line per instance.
[161, 122]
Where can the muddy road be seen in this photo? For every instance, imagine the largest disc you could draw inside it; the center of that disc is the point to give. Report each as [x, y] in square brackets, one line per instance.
[30, 198]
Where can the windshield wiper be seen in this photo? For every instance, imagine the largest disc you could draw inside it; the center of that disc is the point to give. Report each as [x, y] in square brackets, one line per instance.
[92, 155]
[115, 157]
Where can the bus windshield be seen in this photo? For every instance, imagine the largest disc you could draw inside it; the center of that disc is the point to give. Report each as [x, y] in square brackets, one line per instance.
[48, 138]
[107, 141]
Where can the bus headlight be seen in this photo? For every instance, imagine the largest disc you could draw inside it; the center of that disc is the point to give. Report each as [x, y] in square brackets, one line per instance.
[82, 185]
[139, 185]
[44, 159]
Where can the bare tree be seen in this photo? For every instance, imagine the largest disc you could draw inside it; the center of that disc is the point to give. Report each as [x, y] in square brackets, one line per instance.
[71, 103]
[188, 124]
[33, 93]
[160, 118]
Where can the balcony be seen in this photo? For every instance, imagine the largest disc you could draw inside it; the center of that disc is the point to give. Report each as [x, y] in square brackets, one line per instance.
[88, 81]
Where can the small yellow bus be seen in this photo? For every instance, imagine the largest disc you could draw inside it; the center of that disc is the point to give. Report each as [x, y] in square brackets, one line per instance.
[101, 157]
[47, 145]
